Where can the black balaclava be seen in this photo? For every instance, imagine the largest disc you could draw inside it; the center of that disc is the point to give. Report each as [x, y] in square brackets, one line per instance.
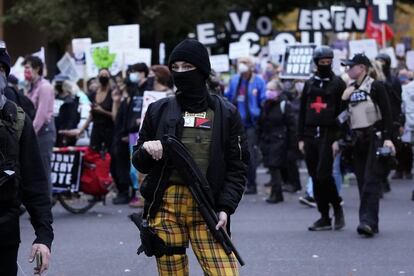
[192, 93]
[5, 61]
[324, 71]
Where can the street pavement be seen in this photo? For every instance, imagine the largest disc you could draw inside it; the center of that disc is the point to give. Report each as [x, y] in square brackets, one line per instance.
[272, 239]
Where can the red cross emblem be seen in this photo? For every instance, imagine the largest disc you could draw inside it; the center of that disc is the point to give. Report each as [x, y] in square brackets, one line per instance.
[318, 105]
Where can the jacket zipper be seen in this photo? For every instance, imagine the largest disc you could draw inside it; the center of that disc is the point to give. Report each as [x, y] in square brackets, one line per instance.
[240, 149]
[156, 190]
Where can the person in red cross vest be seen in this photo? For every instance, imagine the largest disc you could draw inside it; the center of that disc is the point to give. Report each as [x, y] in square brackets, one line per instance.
[318, 133]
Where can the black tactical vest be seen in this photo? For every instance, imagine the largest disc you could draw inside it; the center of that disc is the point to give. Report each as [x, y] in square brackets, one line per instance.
[11, 127]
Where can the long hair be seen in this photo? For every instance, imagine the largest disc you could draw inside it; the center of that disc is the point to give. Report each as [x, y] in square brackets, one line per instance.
[376, 71]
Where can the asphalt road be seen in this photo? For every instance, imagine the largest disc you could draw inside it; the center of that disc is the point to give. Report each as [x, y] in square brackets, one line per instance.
[272, 239]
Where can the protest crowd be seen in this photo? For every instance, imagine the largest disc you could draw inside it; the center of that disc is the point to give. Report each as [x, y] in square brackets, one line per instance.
[338, 113]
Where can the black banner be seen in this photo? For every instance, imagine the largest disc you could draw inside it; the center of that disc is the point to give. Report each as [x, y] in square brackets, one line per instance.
[66, 170]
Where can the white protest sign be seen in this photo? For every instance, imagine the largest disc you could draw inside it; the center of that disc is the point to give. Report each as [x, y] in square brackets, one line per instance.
[123, 38]
[40, 54]
[67, 67]
[18, 69]
[220, 63]
[390, 51]
[367, 46]
[99, 57]
[298, 61]
[400, 49]
[409, 60]
[239, 49]
[79, 47]
[138, 55]
[149, 98]
[206, 33]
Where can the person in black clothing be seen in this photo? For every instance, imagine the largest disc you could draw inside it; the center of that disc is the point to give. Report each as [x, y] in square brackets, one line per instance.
[369, 113]
[318, 133]
[138, 78]
[276, 132]
[213, 131]
[22, 181]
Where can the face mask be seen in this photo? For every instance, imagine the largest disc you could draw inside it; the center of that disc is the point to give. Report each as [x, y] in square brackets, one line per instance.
[191, 90]
[299, 86]
[242, 68]
[324, 70]
[28, 75]
[354, 72]
[104, 80]
[272, 94]
[134, 77]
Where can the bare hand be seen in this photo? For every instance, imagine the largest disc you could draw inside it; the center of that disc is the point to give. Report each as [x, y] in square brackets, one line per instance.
[390, 144]
[222, 220]
[154, 148]
[71, 132]
[44, 251]
[347, 93]
[301, 146]
[335, 148]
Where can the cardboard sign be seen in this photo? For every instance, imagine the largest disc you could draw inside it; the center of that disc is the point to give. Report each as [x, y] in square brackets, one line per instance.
[382, 11]
[66, 170]
[18, 69]
[409, 60]
[239, 49]
[220, 63]
[123, 38]
[99, 57]
[298, 62]
[79, 47]
[68, 68]
[138, 55]
[149, 98]
[400, 49]
[367, 46]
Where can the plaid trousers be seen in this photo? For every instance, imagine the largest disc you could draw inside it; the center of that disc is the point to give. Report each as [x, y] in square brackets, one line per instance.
[177, 222]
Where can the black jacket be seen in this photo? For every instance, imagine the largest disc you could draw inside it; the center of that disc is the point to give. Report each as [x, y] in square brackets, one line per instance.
[277, 132]
[33, 193]
[229, 156]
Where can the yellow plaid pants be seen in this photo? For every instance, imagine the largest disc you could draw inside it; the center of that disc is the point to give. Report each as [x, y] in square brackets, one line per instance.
[177, 222]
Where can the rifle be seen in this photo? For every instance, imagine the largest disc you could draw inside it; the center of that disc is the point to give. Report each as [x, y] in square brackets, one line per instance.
[200, 190]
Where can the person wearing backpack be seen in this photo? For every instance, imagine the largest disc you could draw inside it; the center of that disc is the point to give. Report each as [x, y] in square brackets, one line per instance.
[276, 132]
[318, 133]
[42, 95]
[22, 180]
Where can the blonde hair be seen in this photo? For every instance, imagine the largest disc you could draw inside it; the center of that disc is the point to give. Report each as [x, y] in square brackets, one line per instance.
[376, 71]
[275, 85]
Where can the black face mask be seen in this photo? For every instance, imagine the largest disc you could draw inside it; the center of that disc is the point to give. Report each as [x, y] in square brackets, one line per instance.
[324, 71]
[103, 80]
[191, 90]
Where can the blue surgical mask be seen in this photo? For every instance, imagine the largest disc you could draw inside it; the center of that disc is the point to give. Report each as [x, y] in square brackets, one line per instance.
[134, 77]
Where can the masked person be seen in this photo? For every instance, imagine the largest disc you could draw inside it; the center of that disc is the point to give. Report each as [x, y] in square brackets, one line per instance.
[369, 114]
[212, 130]
[317, 135]
[247, 92]
[23, 180]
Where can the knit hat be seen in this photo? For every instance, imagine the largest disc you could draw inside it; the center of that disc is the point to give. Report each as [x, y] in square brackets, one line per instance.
[192, 51]
[5, 60]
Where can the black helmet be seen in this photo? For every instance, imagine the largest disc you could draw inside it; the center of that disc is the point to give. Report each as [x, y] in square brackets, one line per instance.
[384, 57]
[322, 52]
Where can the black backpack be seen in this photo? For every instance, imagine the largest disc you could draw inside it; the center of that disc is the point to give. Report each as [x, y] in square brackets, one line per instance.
[21, 100]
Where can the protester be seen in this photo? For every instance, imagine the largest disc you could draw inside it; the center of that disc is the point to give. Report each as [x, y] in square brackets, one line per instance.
[277, 133]
[169, 205]
[43, 97]
[247, 92]
[25, 183]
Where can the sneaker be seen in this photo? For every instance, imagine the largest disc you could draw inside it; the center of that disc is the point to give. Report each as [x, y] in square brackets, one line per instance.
[365, 230]
[322, 224]
[308, 201]
[120, 199]
[339, 219]
[136, 202]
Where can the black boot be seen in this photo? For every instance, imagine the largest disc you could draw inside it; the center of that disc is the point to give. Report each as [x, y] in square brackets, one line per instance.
[339, 218]
[276, 194]
[121, 198]
[275, 197]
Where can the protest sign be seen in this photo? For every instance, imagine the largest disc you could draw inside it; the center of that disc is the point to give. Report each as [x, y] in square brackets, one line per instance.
[66, 170]
[99, 57]
[220, 63]
[297, 61]
[67, 67]
[206, 33]
[382, 11]
[79, 47]
[123, 38]
[409, 60]
[400, 49]
[391, 52]
[18, 69]
[365, 46]
[40, 54]
[277, 46]
[149, 98]
[138, 55]
[239, 49]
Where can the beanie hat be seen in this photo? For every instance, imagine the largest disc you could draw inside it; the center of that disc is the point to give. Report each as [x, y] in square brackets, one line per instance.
[192, 51]
[5, 60]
